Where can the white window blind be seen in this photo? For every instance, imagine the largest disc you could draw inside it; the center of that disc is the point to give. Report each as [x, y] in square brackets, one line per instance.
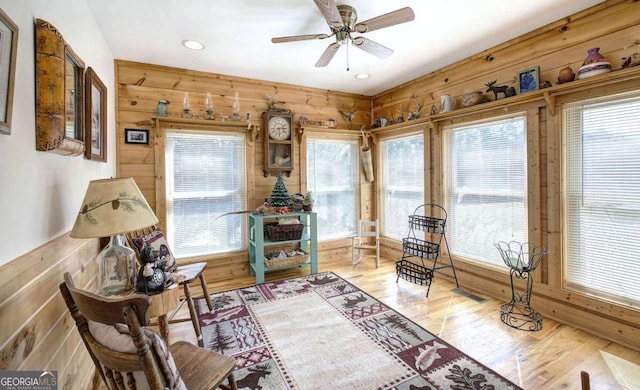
[333, 176]
[602, 198]
[402, 182]
[486, 187]
[205, 177]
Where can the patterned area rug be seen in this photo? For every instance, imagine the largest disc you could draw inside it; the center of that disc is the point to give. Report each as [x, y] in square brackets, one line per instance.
[321, 332]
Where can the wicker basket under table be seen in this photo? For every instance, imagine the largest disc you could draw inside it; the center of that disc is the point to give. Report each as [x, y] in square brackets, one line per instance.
[276, 232]
[279, 262]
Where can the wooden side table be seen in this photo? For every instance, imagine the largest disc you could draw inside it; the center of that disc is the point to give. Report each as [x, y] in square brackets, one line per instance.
[258, 242]
[161, 304]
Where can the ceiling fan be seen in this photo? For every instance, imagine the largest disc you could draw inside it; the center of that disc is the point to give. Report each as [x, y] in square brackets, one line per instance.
[342, 21]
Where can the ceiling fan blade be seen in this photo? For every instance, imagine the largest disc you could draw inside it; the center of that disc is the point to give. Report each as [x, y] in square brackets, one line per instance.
[298, 38]
[372, 47]
[330, 12]
[402, 15]
[328, 54]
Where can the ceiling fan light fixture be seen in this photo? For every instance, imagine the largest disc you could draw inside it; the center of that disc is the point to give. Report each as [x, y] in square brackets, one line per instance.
[362, 76]
[342, 21]
[342, 37]
[193, 45]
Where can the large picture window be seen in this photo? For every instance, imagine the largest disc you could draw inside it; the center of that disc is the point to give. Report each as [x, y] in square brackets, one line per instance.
[485, 187]
[402, 182]
[333, 176]
[205, 177]
[602, 198]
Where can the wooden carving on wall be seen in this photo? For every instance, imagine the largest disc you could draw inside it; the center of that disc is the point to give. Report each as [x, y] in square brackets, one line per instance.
[59, 93]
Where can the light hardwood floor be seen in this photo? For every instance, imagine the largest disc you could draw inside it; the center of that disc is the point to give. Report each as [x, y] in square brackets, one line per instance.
[551, 358]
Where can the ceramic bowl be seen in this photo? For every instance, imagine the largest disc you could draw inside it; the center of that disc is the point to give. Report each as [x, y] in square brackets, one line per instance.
[471, 98]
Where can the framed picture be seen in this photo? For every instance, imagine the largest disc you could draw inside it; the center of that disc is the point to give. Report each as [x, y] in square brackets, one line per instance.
[529, 79]
[95, 117]
[8, 48]
[136, 136]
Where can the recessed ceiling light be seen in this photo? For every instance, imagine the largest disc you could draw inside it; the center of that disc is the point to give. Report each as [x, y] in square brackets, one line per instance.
[362, 76]
[193, 45]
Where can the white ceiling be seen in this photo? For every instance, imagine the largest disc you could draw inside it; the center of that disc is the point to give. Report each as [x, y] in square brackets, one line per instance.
[237, 35]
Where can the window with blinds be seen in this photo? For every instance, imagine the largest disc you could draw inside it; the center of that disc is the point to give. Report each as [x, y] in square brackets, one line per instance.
[602, 198]
[333, 176]
[402, 180]
[205, 177]
[486, 187]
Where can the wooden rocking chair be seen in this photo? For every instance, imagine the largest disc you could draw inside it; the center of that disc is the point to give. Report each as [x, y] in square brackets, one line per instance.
[127, 355]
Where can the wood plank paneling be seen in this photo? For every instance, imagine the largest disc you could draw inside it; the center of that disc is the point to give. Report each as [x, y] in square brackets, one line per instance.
[140, 86]
[36, 331]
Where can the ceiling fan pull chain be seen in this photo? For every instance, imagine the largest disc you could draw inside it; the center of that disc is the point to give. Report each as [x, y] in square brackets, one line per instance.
[347, 56]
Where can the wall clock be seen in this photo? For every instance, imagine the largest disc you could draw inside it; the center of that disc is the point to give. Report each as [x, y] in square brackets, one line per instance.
[278, 142]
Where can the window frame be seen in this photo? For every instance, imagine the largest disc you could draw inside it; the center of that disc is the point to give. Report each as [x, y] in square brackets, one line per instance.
[332, 136]
[415, 132]
[163, 124]
[445, 175]
[568, 103]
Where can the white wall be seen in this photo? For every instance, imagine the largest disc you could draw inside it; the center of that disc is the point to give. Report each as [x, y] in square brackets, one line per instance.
[41, 192]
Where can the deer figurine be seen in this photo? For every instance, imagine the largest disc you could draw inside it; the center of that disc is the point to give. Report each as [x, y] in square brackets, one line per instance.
[506, 91]
[415, 114]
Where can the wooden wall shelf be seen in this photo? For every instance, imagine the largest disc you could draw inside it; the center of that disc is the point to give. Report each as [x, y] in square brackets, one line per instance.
[546, 96]
[251, 127]
[334, 130]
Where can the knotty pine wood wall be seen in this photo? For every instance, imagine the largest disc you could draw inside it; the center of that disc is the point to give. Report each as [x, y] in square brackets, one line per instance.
[140, 86]
[36, 329]
[611, 26]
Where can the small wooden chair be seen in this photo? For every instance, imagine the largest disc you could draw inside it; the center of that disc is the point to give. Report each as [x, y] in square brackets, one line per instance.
[124, 360]
[367, 233]
[192, 272]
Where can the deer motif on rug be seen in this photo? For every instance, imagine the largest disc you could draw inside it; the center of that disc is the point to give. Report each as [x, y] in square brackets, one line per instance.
[353, 302]
[252, 379]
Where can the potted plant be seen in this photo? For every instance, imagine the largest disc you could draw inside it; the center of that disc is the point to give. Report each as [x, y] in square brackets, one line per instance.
[307, 202]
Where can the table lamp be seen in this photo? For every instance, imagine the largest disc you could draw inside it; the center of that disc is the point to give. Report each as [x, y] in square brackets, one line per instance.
[112, 207]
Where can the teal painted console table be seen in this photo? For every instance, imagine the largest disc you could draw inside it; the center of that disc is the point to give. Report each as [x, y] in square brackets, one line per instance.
[258, 242]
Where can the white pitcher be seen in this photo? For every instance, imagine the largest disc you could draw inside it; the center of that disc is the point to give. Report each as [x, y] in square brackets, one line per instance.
[447, 103]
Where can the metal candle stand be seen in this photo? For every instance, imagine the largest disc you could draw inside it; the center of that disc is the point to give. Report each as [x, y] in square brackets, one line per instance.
[522, 259]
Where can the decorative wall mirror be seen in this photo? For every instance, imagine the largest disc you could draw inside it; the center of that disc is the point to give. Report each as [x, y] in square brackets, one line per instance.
[59, 93]
[73, 94]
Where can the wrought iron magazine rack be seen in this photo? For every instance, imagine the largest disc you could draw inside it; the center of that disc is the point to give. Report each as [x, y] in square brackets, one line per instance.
[421, 247]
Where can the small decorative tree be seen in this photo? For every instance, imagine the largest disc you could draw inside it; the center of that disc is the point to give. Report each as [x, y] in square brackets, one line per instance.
[279, 195]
